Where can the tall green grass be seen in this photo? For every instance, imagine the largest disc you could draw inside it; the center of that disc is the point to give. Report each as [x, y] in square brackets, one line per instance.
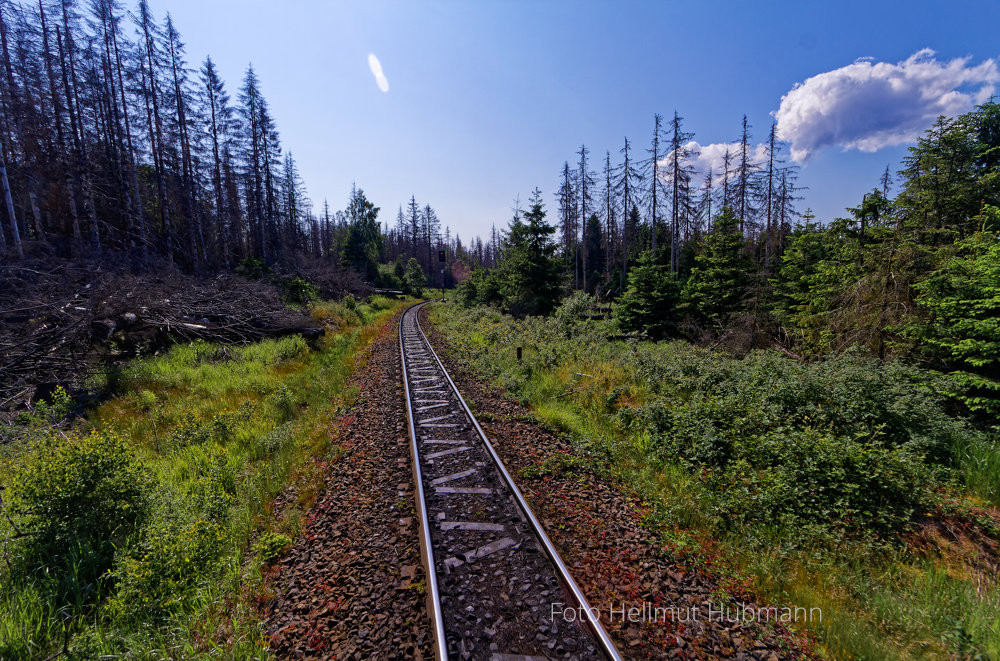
[804, 477]
[217, 431]
[980, 462]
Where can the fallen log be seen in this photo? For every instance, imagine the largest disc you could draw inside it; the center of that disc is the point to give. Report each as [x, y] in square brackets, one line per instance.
[306, 332]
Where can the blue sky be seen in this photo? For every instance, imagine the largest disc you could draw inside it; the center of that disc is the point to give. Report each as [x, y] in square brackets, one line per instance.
[486, 99]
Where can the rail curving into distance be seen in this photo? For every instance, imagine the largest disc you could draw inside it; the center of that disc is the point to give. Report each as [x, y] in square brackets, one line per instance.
[496, 587]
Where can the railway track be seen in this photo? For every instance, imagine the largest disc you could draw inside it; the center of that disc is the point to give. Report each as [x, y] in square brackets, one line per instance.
[494, 578]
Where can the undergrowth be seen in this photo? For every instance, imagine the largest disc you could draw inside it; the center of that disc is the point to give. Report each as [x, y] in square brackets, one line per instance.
[812, 480]
[130, 534]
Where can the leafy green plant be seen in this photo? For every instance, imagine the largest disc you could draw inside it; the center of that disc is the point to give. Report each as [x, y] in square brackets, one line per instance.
[252, 268]
[298, 291]
[270, 546]
[76, 499]
[157, 576]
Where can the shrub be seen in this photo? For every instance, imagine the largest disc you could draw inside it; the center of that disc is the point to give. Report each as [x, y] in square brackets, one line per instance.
[216, 487]
[158, 576]
[189, 430]
[822, 480]
[270, 546]
[297, 291]
[482, 287]
[848, 444]
[79, 499]
[570, 310]
[252, 269]
[337, 314]
[282, 400]
[390, 276]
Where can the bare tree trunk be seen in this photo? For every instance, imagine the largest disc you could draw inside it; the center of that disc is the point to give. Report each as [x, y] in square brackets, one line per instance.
[199, 227]
[134, 175]
[609, 220]
[29, 171]
[194, 229]
[10, 209]
[79, 137]
[217, 174]
[770, 196]
[116, 141]
[269, 220]
[153, 120]
[60, 138]
[654, 204]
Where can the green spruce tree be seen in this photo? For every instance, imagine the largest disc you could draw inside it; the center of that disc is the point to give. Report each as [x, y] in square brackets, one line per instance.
[529, 274]
[364, 239]
[960, 300]
[649, 303]
[413, 278]
[722, 274]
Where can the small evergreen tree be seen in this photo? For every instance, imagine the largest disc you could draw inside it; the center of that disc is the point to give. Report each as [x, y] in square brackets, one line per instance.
[530, 276]
[364, 239]
[648, 305]
[593, 250]
[722, 273]
[962, 302]
[806, 285]
[413, 279]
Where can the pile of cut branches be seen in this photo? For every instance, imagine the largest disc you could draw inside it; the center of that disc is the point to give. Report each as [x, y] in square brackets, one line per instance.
[57, 322]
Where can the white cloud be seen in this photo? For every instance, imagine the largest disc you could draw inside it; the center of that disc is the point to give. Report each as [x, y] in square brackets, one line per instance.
[870, 105]
[376, 67]
[713, 156]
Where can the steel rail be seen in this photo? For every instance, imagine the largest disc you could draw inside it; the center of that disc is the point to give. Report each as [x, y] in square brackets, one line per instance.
[604, 641]
[433, 595]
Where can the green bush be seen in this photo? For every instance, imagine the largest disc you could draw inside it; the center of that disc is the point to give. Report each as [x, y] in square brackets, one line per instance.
[482, 287]
[57, 406]
[253, 269]
[270, 546]
[188, 431]
[571, 309]
[158, 576]
[823, 481]
[216, 487]
[852, 394]
[283, 403]
[298, 291]
[78, 499]
[390, 276]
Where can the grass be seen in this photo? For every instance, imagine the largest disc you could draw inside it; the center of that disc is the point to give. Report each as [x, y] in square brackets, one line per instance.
[218, 431]
[981, 469]
[803, 484]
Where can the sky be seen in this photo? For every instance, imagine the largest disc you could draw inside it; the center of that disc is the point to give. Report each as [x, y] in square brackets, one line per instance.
[469, 105]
